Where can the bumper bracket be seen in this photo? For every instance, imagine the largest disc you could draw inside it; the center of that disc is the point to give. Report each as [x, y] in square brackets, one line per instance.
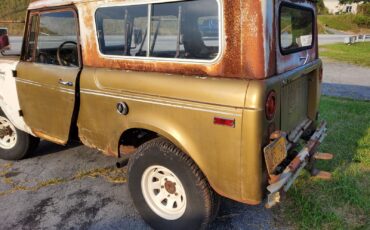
[305, 159]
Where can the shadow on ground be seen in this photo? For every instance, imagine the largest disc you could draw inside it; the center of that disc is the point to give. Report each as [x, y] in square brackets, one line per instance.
[46, 148]
[346, 91]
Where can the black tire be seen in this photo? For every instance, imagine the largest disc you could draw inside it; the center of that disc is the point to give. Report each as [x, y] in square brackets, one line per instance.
[202, 203]
[25, 144]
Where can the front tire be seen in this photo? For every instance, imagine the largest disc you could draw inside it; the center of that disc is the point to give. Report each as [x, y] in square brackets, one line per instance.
[168, 189]
[14, 143]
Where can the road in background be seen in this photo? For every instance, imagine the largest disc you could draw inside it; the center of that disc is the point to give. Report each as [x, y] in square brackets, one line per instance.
[346, 80]
[15, 45]
[325, 39]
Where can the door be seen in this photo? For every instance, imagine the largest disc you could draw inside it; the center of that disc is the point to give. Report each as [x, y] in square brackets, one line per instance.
[47, 74]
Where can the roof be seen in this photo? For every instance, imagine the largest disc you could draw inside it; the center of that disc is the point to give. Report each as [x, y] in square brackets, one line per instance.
[49, 3]
[39, 4]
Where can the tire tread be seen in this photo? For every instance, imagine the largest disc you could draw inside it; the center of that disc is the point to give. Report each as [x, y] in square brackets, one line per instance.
[212, 200]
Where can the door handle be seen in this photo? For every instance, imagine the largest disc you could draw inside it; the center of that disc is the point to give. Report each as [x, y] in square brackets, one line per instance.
[65, 83]
[305, 59]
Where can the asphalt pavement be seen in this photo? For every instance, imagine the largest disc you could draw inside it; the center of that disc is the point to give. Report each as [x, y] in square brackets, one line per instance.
[76, 187]
[346, 80]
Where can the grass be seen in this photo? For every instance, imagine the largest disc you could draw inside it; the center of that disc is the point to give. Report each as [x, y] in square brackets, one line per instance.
[343, 22]
[343, 202]
[358, 53]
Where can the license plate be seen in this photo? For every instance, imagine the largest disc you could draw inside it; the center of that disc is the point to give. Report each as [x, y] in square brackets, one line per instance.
[275, 153]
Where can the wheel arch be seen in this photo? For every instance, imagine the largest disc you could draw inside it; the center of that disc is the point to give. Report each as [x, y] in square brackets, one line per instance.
[128, 133]
[176, 136]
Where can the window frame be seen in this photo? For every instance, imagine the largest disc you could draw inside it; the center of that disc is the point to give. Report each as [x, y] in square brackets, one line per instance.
[27, 35]
[38, 13]
[299, 49]
[149, 4]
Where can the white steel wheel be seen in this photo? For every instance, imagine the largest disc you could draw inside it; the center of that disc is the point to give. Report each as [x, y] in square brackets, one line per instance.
[8, 134]
[168, 189]
[164, 192]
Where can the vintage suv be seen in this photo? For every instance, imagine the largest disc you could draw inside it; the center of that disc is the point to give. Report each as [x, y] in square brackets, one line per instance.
[200, 114]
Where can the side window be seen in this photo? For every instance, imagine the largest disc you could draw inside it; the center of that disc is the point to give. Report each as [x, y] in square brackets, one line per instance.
[164, 32]
[31, 42]
[182, 30]
[186, 30]
[57, 39]
[122, 30]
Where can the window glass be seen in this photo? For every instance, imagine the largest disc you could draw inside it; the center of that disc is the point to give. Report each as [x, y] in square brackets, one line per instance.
[296, 28]
[30, 45]
[3, 31]
[122, 30]
[184, 29]
[57, 39]
[187, 30]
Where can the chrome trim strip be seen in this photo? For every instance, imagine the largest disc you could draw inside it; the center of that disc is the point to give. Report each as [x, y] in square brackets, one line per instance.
[63, 90]
[157, 102]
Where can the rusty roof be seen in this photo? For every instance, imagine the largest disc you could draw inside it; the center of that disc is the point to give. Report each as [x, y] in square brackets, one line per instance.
[49, 3]
[39, 4]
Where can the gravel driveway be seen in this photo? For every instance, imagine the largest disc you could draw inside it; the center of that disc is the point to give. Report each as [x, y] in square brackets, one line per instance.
[78, 188]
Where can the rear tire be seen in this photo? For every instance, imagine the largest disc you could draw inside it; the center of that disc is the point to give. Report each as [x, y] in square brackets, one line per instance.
[14, 143]
[168, 189]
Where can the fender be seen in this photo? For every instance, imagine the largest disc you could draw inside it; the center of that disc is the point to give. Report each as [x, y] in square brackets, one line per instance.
[9, 101]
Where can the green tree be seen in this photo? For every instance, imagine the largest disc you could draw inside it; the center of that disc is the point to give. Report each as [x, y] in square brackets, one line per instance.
[321, 7]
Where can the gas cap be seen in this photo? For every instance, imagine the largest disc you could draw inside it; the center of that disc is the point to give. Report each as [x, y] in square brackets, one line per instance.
[122, 108]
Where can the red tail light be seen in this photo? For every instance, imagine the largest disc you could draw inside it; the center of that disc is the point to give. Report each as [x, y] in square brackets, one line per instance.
[270, 107]
[321, 76]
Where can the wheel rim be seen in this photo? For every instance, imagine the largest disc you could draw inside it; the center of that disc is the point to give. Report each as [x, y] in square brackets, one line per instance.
[8, 134]
[164, 192]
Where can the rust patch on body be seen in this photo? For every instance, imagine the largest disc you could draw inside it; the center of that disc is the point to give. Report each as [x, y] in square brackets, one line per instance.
[127, 150]
[242, 57]
[47, 137]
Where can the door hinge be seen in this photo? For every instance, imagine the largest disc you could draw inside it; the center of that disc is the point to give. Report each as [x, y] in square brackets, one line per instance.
[14, 73]
[20, 113]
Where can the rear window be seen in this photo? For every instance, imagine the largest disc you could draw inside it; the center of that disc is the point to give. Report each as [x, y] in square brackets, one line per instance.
[296, 28]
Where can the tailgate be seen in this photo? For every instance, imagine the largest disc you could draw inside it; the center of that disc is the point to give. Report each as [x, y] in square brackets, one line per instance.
[294, 102]
[297, 48]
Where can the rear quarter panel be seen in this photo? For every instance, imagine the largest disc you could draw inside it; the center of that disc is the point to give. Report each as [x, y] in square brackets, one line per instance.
[180, 108]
